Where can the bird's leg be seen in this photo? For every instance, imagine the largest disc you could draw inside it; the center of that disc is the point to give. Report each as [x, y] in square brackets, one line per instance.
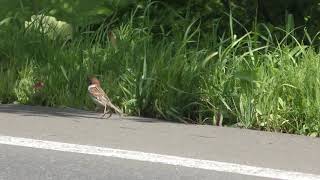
[102, 115]
[107, 112]
[110, 114]
[104, 111]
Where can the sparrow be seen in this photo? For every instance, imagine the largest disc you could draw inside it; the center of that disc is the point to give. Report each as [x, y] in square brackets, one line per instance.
[100, 98]
[38, 85]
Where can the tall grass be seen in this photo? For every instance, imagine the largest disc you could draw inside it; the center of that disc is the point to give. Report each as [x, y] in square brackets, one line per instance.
[183, 74]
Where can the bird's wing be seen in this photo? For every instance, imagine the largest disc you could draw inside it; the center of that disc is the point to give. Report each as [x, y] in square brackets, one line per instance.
[98, 93]
[99, 96]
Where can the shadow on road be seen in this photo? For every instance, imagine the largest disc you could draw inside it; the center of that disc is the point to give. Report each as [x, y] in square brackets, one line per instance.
[45, 111]
[41, 111]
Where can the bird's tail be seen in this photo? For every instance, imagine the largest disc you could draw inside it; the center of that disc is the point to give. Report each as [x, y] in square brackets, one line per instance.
[116, 109]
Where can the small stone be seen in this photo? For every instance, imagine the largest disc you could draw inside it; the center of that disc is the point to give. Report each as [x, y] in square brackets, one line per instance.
[16, 102]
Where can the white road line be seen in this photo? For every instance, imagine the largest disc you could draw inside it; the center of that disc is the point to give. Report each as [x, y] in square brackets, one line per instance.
[158, 158]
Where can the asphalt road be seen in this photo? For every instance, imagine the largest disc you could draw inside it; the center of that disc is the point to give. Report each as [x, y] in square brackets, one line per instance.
[287, 153]
[32, 164]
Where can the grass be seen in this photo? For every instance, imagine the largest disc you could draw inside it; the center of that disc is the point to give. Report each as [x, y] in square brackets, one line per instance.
[257, 80]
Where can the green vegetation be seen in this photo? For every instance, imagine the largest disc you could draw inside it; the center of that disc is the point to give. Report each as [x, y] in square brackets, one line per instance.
[167, 61]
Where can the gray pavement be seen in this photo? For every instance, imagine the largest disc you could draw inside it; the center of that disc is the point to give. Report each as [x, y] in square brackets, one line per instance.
[18, 163]
[246, 147]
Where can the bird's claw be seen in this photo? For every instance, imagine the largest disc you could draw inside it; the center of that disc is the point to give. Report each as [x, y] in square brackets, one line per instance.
[102, 117]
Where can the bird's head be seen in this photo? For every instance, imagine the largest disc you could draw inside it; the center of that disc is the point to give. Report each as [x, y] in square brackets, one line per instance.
[93, 80]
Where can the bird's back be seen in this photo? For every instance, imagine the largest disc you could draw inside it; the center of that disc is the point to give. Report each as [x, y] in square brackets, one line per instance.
[98, 95]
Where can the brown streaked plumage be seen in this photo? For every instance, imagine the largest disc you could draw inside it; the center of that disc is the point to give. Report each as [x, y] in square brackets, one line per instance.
[100, 97]
[38, 85]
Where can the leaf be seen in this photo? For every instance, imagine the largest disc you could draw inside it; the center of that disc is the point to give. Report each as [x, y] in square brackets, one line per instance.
[208, 58]
[5, 21]
[101, 11]
[281, 102]
[249, 76]
[314, 134]
[50, 26]
[64, 72]
[225, 103]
